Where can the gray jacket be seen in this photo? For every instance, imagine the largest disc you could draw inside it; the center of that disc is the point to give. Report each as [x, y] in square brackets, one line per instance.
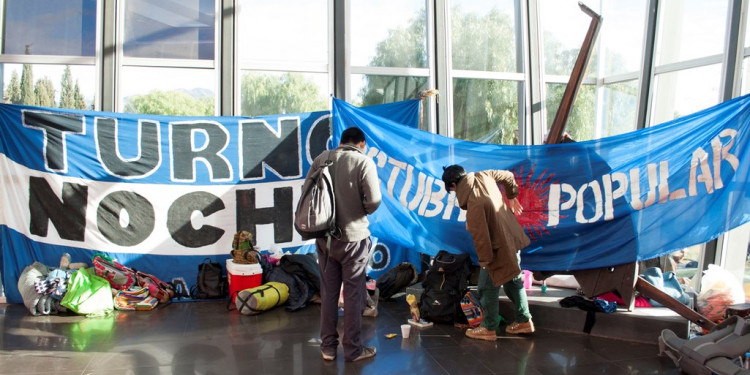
[357, 189]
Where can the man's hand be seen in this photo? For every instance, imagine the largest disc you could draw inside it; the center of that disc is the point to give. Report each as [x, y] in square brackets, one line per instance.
[515, 206]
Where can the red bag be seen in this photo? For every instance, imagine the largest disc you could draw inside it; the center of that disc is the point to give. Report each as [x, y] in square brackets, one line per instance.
[119, 276]
[158, 289]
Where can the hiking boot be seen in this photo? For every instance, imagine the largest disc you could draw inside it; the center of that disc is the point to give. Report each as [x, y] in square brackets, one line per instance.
[328, 355]
[517, 328]
[367, 352]
[481, 333]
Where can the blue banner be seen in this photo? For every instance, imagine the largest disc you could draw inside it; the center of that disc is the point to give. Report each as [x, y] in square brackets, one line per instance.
[586, 205]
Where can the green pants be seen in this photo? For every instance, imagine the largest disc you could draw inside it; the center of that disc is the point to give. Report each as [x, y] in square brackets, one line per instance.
[489, 296]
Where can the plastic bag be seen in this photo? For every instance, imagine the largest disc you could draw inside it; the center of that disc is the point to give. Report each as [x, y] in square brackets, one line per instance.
[719, 289]
[88, 294]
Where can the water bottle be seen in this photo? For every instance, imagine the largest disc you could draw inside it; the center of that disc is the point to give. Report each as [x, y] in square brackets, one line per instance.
[746, 364]
[526, 279]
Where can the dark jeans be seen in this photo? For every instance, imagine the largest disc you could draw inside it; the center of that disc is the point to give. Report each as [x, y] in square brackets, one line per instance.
[343, 263]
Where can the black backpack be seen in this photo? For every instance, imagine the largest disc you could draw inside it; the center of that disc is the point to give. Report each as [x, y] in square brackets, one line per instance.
[396, 279]
[444, 285]
[211, 282]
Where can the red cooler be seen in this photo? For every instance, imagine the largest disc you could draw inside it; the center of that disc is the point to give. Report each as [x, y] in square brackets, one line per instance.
[243, 276]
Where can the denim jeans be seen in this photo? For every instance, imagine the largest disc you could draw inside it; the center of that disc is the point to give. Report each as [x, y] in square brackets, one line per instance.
[489, 295]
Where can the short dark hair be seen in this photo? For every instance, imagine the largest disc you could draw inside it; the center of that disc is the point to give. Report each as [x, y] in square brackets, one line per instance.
[352, 135]
[452, 174]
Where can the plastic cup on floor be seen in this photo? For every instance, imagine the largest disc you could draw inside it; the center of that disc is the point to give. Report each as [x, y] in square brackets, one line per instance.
[405, 329]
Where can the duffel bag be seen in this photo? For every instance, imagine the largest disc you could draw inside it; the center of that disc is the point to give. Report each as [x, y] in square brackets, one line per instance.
[254, 301]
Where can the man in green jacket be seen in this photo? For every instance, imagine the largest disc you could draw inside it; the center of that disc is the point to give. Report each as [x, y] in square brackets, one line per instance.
[497, 237]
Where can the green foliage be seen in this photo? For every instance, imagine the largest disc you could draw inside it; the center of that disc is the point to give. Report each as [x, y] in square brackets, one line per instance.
[27, 86]
[67, 94]
[173, 103]
[44, 91]
[404, 47]
[266, 94]
[13, 93]
[484, 110]
[580, 124]
[485, 43]
[78, 101]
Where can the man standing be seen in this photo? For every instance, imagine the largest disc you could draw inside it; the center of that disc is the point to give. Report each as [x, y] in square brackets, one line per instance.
[497, 237]
[343, 258]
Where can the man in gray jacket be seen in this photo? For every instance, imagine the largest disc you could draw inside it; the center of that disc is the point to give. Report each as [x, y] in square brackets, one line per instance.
[343, 258]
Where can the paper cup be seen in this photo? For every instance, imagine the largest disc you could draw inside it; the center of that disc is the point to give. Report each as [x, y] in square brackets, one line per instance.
[405, 329]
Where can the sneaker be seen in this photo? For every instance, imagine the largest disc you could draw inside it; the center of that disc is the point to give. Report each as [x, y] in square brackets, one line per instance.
[481, 333]
[517, 328]
[367, 352]
[328, 356]
[370, 312]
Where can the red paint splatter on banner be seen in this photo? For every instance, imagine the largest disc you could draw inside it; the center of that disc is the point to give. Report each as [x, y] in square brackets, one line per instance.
[533, 196]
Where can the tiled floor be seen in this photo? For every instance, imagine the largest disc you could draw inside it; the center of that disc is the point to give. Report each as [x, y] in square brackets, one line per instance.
[204, 338]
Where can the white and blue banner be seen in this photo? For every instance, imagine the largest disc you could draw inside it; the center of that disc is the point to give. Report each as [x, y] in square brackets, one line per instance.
[158, 193]
[161, 193]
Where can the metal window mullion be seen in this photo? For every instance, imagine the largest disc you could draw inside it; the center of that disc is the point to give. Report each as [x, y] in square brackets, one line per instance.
[106, 63]
[688, 64]
[280, 66]
[443, 68]
[619, 78]
[481, 74]
[536, 107]
[521, 36]
[227, 59]
[390, 71]
[331, 58]
[167, 63]
[341, 43]
[430, 107]
[48, 59]
[732, 57]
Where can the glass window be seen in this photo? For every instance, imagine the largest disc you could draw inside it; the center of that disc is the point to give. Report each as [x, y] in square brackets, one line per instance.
[483, 36]
[390, 33]
[43, 27]
[564, 28]
[270, 93]
[580, 124]
[745, 84]
[170, 29]
[376, 89]
[619, 109]
[690, 29]
[168, 91]
[620, 37]
[486, 111]
[288, 31]
[683, 92]
[62, 86]
[284, 53]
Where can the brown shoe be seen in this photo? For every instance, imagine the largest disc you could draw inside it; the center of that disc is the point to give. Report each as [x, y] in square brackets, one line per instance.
[481, 333]
[518, 328]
